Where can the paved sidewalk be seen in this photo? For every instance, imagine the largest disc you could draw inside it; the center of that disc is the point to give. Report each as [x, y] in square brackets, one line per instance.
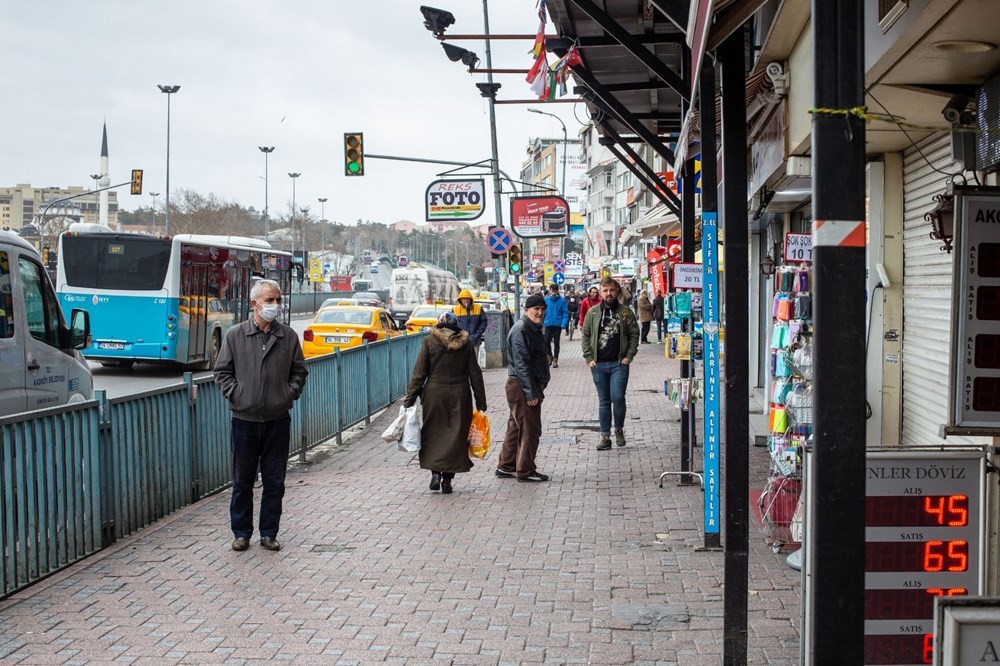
[598, 566]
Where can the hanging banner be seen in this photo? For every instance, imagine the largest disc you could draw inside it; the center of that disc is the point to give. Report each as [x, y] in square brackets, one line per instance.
[454, 199]
[710, 330]
[539, 217]
[657, 258]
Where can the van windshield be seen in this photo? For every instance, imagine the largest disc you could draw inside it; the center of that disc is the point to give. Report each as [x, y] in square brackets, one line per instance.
[113, 262]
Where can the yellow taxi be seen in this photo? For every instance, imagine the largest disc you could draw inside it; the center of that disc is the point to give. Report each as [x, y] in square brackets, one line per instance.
[425, 316]
[343, 327]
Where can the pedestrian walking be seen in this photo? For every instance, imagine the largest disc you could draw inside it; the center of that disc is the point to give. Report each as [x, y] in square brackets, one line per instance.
[593, 298]
[445, 371]
[658, 315]
[261, 372]
[645, 316]
[610, 342]
[527, 377]
[556, 319]
[573, 305]
[471, 318]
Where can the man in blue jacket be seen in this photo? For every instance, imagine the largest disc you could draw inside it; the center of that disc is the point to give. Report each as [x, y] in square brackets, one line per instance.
[556, 320]
[471, 318]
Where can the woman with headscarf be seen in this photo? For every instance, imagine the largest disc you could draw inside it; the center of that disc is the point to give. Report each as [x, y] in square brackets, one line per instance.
[445, 371]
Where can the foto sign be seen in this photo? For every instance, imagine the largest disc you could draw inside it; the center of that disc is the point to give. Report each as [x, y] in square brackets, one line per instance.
[454, 199]
[539, 217]
[687, 276]
[798, 247]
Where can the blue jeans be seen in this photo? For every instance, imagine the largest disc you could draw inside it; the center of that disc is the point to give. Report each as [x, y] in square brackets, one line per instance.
[265, 445]
[611, 380]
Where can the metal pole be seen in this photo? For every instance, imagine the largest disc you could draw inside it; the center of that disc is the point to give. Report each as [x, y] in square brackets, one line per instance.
[294, 176]
[688, 419]
[168, 91]
[709, 204]
[267, 150]
[835, 518]
[736, 432]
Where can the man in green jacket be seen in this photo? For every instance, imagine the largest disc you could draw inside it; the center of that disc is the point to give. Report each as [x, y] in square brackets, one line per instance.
[610, 342]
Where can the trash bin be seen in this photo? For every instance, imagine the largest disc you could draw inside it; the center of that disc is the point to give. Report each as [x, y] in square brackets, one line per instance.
[498, 323]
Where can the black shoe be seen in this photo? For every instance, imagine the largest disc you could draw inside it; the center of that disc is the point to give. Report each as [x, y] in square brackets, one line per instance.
[435, 481]
[604, 444]
[446, 486]
[534, 477]
[270, 543]
[241, 543]
[620, 437]
[504, 474]
[555, 363]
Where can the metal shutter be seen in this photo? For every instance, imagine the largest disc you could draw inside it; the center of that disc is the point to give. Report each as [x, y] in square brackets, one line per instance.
[927, 280]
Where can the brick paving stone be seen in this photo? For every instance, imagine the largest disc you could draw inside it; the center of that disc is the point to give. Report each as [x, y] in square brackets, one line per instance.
[377, 569]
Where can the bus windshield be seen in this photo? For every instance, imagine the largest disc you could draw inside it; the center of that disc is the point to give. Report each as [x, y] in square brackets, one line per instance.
[100, 262]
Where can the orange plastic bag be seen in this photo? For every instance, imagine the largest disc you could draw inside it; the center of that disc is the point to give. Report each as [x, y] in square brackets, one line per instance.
[479, 435]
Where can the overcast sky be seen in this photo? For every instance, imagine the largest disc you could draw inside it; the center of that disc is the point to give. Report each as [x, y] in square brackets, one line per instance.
[294, 74]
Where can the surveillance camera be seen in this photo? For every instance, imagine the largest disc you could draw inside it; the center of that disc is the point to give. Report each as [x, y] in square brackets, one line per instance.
[458, 54]
[779, 80]
[953, 110]
[774, 70]
[437, 20]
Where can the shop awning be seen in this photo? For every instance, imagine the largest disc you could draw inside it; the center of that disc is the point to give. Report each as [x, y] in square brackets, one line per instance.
[657, 222]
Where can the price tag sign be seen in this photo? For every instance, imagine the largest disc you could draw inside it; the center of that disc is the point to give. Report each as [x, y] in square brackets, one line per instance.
[687, 276]
[798, 247]
[924, 527]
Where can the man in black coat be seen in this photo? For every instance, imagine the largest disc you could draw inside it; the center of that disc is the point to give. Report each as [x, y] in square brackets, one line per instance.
[658, 315]
[527, 377]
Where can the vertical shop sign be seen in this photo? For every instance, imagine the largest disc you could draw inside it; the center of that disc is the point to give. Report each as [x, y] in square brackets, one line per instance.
[710, 284]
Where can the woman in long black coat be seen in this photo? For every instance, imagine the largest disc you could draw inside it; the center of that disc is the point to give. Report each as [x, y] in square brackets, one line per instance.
[447, 361]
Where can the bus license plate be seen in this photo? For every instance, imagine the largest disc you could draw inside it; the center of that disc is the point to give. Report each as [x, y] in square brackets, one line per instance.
[337, 340]
[111, 345]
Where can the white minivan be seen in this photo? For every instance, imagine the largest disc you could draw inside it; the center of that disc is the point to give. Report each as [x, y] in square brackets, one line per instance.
[40, 362]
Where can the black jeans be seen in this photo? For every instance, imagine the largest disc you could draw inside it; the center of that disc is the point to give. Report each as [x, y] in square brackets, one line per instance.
[264, 444]
[552, 337]
[645, 331]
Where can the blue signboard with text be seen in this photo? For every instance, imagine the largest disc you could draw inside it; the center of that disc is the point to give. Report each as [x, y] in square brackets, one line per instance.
[710, 331]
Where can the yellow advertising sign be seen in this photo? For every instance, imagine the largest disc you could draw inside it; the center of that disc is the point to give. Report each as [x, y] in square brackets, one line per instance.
[548, 270]
[315, 270]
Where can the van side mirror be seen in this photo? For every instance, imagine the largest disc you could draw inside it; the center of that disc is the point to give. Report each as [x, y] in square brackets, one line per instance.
[79, 329]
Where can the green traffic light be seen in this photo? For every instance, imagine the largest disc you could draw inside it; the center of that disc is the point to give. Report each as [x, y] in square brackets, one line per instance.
[353, 167]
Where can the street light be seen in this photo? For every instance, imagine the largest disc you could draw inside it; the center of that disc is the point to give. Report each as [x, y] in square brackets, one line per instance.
[154, 195]
[168, 91]
[562, 189]
[293, 176]
[267, 150]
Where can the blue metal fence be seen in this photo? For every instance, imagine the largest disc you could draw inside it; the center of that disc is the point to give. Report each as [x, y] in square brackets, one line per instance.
[74, 479]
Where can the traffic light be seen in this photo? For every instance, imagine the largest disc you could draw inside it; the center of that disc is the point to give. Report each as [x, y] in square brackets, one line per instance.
[515, 260]
[136, 181]
[354, 154]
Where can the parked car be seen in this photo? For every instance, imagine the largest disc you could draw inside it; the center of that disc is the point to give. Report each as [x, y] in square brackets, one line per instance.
[367, 298]
[332, 302]
[425, 317]
[343, 327]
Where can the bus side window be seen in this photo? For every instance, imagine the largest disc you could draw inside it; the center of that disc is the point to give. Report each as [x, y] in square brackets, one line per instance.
[40, 305]
[6, 299]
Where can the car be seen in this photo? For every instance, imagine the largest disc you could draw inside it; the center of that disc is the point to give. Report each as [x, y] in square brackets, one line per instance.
[333, 302]
[368, 298]
[343, 327]
[424, 317]
[373, 269]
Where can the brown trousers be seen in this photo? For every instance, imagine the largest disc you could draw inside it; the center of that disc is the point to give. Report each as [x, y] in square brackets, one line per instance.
[524, 427]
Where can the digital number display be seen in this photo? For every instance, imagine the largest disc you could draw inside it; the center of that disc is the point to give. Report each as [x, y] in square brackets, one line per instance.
[988, 261]
[930, 556]
[116, 248]
[917, 511]
[906, 604]
[988, 303]
[987, 352]
[899, 649]
[986, 394]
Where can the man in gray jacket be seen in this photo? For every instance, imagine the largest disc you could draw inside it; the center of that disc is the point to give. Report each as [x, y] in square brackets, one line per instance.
[527, 377]
[261, 372]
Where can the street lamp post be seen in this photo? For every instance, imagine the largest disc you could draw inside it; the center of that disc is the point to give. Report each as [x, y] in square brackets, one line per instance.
[267, 150]
[97, 177]
[322, 221]
[154, 195]
[562, 189]
[168, 91]
[294, 177]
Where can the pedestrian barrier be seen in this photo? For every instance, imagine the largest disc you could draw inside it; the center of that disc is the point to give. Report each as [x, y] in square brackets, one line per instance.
[76, 478]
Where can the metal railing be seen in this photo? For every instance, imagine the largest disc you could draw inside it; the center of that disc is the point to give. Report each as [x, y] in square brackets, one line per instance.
[74, 479]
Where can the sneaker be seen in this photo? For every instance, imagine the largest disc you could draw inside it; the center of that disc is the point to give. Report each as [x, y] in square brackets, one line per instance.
[504, 474]
[604, 444]
[620, 437]
[534, 477]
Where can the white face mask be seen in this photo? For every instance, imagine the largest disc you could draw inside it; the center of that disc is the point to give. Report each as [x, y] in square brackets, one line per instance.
[269, 312]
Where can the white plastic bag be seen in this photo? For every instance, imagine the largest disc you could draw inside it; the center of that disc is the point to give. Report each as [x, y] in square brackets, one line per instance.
[394, 432]
[411, 429]
[481, 356]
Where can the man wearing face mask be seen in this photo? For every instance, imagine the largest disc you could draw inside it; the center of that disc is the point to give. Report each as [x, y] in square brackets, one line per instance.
[261, 372]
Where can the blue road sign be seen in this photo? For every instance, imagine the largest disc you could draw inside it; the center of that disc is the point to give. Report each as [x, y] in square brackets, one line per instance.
[712, 381]
[558, 278]
[499, 240]
[531, 275]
